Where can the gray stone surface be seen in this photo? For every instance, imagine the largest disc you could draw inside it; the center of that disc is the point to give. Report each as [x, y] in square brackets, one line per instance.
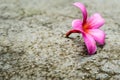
[33, 46]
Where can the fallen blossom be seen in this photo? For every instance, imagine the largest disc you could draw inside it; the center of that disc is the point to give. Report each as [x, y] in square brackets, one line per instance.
[89, 28]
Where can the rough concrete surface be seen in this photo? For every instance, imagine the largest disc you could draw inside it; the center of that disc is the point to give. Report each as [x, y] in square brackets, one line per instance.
[33, 46]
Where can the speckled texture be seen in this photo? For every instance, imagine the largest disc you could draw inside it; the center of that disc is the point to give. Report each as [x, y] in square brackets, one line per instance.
[33, 46]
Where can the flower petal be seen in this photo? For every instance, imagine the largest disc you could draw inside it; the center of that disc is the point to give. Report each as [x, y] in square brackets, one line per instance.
[77, 24]
[90, 43]
[98, 35]
[83, 9]
[95, 21]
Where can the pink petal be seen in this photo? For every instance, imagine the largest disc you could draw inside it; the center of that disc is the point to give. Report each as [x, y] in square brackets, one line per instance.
[98, 35]
[95, 21]
[77, 24]
[90, 43]
[83, 9]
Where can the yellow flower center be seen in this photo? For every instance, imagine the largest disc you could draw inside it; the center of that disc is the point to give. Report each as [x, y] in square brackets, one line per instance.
[86, 27]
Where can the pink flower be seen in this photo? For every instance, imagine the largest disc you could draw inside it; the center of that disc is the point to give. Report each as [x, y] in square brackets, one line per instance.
[89, 28]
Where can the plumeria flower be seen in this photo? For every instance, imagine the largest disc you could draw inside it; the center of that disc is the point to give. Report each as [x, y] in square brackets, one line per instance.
[89, 28]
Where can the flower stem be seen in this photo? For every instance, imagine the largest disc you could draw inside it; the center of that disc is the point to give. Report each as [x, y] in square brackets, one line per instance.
[71, 31]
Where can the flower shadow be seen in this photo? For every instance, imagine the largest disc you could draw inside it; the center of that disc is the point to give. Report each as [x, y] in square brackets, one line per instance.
[78, 41]
[81, 48]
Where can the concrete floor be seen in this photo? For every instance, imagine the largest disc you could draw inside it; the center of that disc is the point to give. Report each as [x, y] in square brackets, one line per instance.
[33, 46]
